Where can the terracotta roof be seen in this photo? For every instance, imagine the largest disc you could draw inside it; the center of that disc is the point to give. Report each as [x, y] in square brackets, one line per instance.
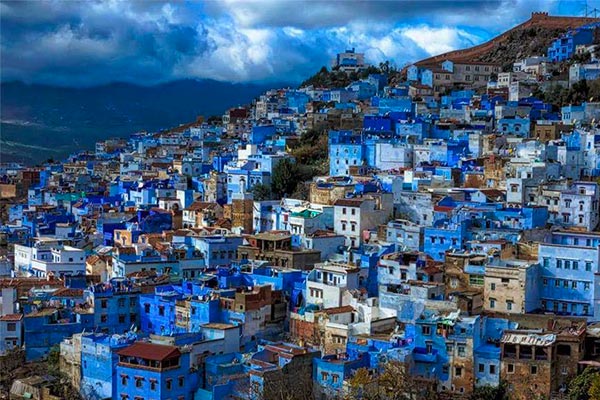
[201, 205]
[126, 250]
[11, 317]
[431, 270]
[150, 351]
[93, 259]
[223, 223]
[68, 292]
[338, 310]
[349, 202]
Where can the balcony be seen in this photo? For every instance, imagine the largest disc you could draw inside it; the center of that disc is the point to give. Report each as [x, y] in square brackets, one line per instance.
[420, 354]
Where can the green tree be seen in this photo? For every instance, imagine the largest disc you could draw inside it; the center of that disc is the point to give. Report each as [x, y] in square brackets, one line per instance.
[594, 392]
[490, 393]
[581, 385]
[284, 178]
[261, 192]
[393, 383]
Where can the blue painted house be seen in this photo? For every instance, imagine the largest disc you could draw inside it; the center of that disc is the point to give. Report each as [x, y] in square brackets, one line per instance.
[148, 370]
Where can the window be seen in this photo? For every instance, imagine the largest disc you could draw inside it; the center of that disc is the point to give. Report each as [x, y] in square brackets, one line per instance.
[492, 286]
[588, 266]
[426, 330]
[180, 381]
[557, 282]
[574, 284]
[546, 262]
[510, 368]
[138, 382]
[475, 280]
[146, 308]
[586, 309]
[104, 304]
[509, 305]
[124, 380]
[534, 370]
[567, 264]
[153, 385]
[121, 318]
[11, 326]
[132, 301]
[461, 350]
[481, 368]
[429, 347]
[104, 318]
[586, 285]
[449, 348]
[545, 281]
[492, 369]
[458, 371]
[353, 211]
[558, 263]
[161, 311]
[169, 383]
[121, 302]
[492, 303]
[575, 265]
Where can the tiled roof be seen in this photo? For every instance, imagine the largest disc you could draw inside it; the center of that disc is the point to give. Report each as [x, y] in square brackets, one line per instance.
[68, 292]
[150, 351]
[93, 259]
[338, 310]
[11, 317]
[349, 202]
[201, 205]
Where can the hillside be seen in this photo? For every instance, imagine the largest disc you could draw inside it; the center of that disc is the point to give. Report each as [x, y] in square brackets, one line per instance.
[41, 121]
[532, 37]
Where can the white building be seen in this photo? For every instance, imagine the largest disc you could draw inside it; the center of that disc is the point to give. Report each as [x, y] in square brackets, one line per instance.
[63, 261]
[354, 216]
[41, 250]
[327, 282]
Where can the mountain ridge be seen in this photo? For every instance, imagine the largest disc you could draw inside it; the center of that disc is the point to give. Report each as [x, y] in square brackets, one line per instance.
[59, 120]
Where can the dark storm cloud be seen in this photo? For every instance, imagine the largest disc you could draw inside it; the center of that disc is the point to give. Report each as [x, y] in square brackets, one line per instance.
[93, 42]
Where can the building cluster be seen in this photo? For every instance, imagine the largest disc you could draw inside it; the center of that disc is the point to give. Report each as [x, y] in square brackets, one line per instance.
[454, 235]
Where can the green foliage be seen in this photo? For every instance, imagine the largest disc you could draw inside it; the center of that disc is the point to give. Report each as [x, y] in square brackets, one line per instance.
[336, 78]
[328, 79]
[580, 387]
[393, 383]
[578, 93]
[490, 393]
[284, 178]
[261, 192]
[581, 58]
[594, 392]
[54, 359]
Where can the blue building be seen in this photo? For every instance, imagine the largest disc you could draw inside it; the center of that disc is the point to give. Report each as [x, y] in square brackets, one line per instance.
[569, 274]
[147, 370]
[98, 363]
[564, 47]
[115, 304]
[49, 326]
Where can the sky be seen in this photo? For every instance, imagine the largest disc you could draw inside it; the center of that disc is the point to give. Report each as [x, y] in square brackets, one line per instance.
[71, 43]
